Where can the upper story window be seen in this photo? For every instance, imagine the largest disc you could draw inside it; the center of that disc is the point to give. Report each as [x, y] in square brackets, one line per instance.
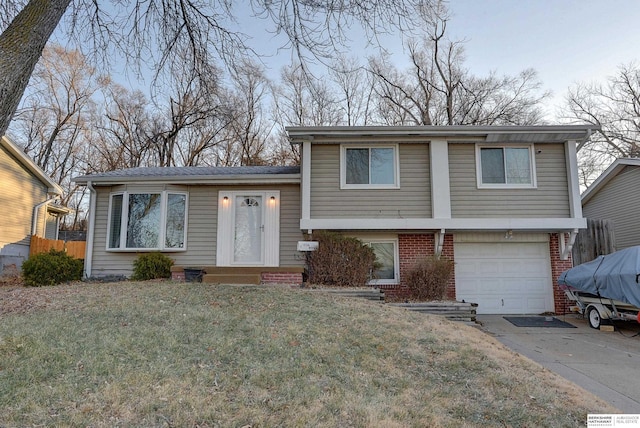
[509, 166]
[147, 221]
[370, 167]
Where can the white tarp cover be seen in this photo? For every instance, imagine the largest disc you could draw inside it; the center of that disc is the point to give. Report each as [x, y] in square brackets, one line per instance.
[614, 276]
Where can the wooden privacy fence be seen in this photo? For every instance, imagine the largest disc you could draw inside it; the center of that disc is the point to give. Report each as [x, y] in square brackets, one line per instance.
[42, 245]
[596, 240]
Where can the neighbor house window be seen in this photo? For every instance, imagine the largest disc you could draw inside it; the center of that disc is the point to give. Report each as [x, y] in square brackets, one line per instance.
[373, 167]
[149, 221]
[387, 259]
[505, 167]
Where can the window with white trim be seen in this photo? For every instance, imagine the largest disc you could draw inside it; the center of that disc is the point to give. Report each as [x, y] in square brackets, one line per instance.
[147, 221]
[506, 166]
[369, 166]
[387, 258]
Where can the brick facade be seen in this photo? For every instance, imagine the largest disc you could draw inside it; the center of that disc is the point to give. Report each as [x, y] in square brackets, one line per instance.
[282, 278]
[413, 247]
[557, 267]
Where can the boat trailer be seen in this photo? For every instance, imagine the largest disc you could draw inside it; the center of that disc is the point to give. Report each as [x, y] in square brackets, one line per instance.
[596, 308]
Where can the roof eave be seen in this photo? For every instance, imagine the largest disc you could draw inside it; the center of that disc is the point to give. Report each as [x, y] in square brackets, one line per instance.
[298, 135]
[52, 187]
[193, 180]
[610, 173]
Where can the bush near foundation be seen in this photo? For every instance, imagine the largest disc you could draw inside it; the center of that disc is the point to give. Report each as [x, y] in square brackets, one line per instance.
[428, 279]
[340, 261]
[52, 268]
[151, 266]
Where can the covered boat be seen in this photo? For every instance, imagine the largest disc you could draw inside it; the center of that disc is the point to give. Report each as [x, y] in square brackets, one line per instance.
[613, 276]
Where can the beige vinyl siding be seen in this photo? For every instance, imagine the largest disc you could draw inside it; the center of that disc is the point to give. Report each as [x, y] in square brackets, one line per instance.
[51, 231]
[619, 201]
[411, 200]
[290, 232]
[549, 200]
[21, 192]
[202, 226]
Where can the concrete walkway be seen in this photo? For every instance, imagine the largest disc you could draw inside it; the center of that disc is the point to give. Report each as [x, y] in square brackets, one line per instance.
[604, 363]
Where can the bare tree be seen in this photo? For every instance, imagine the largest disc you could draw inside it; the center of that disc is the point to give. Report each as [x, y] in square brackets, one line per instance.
[354, 90]
[156, 29]
[53, 115]
[250, 128]
[53, 120]
[615, 107]
[120, 138]
[438, 90]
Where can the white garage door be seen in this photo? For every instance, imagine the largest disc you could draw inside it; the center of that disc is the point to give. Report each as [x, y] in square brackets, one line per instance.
[504, 278]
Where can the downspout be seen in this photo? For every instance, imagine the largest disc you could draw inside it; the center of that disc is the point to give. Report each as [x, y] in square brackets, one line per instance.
[565, 248]
[439, 243]
[584, 140]
[36, 213]
[88, 252]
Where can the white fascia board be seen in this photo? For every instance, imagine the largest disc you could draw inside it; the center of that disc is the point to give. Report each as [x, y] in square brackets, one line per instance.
[476, 224]
[195, 180]
[310, 133]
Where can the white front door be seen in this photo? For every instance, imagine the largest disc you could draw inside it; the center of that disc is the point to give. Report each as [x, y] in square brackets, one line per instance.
[248, 229]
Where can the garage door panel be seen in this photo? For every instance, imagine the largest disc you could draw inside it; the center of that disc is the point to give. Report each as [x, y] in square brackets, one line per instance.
[504, 278]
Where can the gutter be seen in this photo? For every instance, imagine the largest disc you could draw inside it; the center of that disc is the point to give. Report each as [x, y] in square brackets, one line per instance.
[36, 213]
[88, 252]
[584, 140]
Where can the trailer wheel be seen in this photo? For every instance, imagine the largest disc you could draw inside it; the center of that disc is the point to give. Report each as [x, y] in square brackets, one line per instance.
[594, 317]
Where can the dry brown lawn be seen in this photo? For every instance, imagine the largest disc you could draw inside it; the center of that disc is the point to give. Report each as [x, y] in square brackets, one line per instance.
[170, 354]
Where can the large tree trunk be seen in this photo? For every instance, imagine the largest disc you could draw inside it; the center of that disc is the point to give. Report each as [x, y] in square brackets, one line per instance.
[21, 45]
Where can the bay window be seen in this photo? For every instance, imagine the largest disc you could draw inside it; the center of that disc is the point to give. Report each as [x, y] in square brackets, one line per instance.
[147, 221]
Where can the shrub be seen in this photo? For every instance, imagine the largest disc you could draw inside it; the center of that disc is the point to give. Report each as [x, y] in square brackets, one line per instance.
[340, 261]
[428, 279]
[151, 266]
[51, 268]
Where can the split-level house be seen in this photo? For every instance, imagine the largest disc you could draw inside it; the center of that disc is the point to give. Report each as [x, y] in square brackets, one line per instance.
[502, 201]
[30, 199]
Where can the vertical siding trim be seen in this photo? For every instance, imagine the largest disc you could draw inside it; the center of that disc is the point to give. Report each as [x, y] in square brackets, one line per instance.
[440, 187]
[224, 246]
[305, 188]
[575, 202]
[272, 229]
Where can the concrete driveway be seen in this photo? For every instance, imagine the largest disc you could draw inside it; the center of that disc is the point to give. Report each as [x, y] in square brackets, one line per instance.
[604, 363]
